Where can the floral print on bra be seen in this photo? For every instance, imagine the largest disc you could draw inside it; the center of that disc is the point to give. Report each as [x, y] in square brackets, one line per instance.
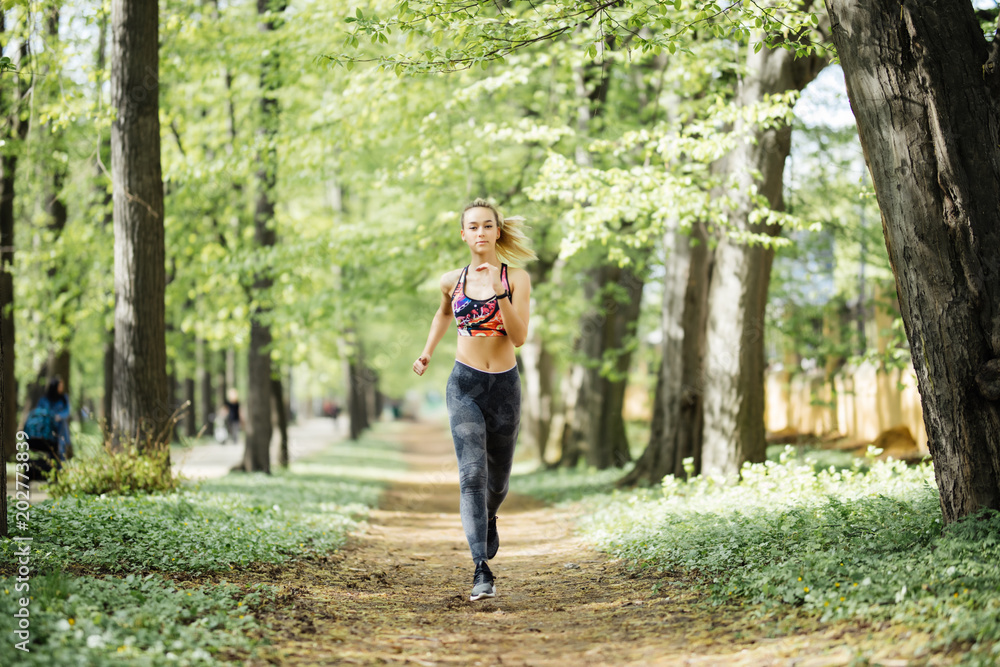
[475, 317]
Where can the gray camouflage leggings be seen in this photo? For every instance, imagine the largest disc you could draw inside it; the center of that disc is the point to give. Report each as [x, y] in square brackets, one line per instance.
[485, 412]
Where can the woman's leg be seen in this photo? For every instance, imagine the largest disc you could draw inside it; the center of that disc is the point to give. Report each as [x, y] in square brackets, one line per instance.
[468, 430]
[503, 420]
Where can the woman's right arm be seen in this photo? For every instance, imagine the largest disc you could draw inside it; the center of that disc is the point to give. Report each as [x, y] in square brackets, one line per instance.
[439, 325]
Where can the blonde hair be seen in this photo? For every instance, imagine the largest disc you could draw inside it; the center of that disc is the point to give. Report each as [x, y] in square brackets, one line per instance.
[512, 246]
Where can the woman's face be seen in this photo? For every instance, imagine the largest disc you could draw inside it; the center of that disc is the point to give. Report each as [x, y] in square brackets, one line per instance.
[62, 387]
[479, 229]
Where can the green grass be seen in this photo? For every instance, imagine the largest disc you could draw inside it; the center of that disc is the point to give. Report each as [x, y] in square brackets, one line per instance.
[92, 621]
[858, 542]
[565, 484]
[135, 614]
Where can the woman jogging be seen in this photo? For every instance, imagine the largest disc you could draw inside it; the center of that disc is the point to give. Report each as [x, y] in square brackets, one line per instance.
[490, 303]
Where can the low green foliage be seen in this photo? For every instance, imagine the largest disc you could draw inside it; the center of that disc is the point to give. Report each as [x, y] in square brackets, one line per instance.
[136, 620]
[225, 523]
[219, 525]
[561, 484]
[102, 470]
[845, 543]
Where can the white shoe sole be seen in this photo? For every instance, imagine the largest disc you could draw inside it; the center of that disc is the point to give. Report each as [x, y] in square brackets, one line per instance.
[473, 598]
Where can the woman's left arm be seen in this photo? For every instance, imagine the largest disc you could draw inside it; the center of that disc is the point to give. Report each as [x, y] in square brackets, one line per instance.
[516, 310]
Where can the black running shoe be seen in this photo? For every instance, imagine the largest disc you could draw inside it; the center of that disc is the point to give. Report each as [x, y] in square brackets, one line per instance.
[492, 539]
[482, 583]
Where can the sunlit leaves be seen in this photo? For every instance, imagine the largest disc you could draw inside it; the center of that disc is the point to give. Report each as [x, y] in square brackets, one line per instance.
[484, 30]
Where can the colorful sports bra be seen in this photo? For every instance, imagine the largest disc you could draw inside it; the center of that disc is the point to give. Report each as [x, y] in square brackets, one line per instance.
[475, 317]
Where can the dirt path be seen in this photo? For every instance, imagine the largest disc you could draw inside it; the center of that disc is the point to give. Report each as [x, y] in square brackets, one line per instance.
[399, 595]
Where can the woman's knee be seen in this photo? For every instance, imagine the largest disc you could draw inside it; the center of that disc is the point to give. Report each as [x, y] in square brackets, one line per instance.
[473, 480]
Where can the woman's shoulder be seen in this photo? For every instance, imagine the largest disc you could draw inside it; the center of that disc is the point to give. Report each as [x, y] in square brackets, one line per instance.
[518, 274]
[450, 279]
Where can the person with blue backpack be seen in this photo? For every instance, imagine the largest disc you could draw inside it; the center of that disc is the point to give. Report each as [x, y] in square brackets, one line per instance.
[55, 403]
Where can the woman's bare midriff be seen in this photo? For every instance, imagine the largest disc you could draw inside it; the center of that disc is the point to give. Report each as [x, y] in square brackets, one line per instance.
[494, 354]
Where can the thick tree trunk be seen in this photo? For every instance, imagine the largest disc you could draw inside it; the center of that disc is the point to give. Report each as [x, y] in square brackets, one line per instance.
[734, 355]
[675, 431]
[359, 380]
[598, 426]
[585, 406]
[928, 113]
[140, 407]
[13, 92]
[259, 430]
[4, 418]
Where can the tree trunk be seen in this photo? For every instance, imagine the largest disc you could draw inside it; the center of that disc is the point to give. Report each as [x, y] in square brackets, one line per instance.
[928, 113]
[259, 430]
[190, 416]
[584, 409]
[140, 406]
[203, 358]
[734, 359]
[280, 418]
[103, 194]
[539, 373]
[59, 364]
[12, 95]
[675, 431]
[570, 447]
[536, 413]
[109, 379]
[359, 380]
[598, 427]
[58, 215]
[4, 418]
[227, 373]
[259, 368]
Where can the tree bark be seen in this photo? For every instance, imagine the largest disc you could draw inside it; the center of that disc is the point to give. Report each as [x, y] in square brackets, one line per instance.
[190, 416]
[928, 113]
[12, 94]
[675, 430]
[539, 373]
[598, 427]
[359, 380]
[536, 413]
[140, 406]
[103, 194]
[203, 358]
[58, 215]
[280, 418]
[109, 380]
[4, 418]
[734, 355]
[260, 428]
